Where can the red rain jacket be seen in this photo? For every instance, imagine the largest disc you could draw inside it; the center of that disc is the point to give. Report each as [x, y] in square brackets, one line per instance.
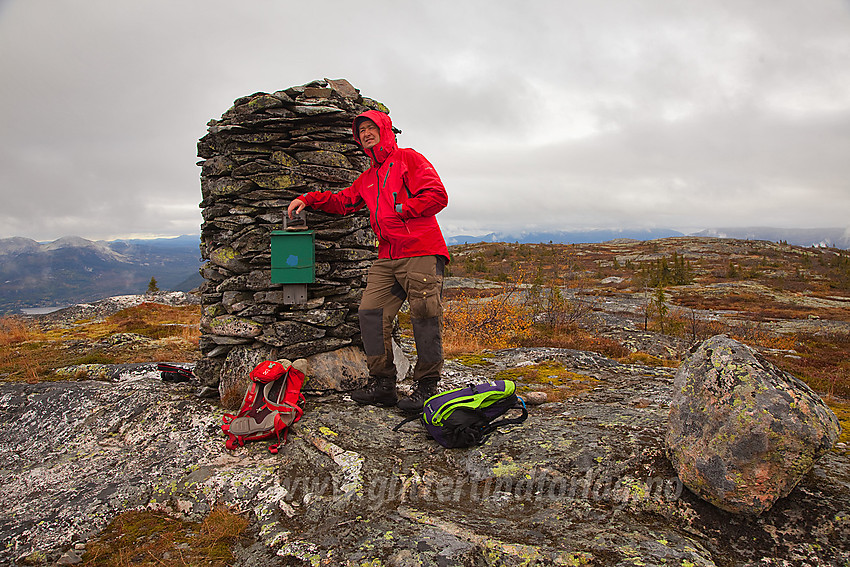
[402, 191]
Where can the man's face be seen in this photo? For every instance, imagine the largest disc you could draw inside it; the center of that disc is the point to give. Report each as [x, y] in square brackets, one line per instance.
[369, 134]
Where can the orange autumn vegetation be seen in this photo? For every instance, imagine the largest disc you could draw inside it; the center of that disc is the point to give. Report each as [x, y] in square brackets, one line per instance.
[472, 324]
[507, 319]
[15, 330]
[30, 352]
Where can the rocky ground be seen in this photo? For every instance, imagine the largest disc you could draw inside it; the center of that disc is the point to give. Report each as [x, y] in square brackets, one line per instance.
[584, 481]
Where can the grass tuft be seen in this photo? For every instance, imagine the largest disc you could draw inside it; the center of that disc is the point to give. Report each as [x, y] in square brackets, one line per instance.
[153, 538]
[14, 331]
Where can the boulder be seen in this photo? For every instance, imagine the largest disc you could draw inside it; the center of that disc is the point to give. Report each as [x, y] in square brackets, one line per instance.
[342, 369]
[345, 369]
[742, 433]
[235, 370]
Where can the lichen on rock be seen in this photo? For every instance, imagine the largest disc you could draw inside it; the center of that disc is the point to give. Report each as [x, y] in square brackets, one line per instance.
[741, 432]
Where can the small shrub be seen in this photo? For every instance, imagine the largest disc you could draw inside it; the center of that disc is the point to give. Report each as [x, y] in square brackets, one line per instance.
[14, 330]
[470, 324]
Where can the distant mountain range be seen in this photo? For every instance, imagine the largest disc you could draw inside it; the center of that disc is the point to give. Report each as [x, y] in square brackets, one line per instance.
[829, 237]
[833, 237]
[75, 270]
[564, 236]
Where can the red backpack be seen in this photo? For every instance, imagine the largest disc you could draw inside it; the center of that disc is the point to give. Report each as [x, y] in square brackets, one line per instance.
[269, 408]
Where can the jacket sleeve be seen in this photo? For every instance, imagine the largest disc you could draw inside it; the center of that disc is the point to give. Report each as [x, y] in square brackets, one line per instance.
[341, 203]
[426, 195]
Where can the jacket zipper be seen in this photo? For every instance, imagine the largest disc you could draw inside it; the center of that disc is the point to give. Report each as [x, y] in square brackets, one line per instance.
[377, 200]
[378, 197]
[387, 176]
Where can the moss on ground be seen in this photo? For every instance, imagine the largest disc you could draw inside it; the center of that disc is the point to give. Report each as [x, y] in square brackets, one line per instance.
[841, 410]
[550, 377]
[155, 538]
[474, 360]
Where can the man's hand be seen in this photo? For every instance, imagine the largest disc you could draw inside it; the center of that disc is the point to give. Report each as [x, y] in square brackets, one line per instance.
[295, 207]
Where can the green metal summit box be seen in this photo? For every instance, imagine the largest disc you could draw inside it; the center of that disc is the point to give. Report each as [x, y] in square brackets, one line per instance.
[293, 257]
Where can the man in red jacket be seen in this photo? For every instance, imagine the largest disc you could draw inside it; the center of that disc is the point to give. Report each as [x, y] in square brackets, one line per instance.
[403, 193]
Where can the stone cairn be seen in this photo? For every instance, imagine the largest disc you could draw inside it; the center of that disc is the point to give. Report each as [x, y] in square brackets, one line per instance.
[263, 152]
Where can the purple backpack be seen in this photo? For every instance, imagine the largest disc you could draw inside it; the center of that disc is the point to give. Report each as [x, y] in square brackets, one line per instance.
[464, 417]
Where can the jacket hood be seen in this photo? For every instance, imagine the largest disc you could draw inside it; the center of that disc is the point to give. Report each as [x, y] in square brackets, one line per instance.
[382, 150]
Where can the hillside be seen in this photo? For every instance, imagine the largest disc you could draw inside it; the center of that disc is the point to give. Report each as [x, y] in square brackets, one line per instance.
[625, 299]
[73, 270]
[661, 296]
[684, 264]
[827, 237]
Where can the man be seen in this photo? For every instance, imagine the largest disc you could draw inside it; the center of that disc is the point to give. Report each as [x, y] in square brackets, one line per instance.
[403, 193]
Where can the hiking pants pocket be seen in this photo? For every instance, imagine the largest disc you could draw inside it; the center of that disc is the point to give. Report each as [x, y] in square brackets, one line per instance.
[423, 295]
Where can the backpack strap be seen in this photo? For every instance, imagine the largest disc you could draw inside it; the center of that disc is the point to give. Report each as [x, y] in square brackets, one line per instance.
[286, 407]
[279, 425]
[232, 440]
[508, 421]
[407, 420]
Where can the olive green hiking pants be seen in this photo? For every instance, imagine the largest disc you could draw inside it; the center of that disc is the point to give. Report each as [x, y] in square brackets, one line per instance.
[389, 283]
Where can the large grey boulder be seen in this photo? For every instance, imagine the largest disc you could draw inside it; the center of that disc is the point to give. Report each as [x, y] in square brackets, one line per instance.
[741, 432]
[345, 369]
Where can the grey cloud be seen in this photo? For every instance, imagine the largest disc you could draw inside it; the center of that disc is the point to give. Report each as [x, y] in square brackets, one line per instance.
[568, 114]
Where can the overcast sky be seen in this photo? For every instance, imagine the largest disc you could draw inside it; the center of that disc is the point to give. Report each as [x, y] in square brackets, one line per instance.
[544, 115]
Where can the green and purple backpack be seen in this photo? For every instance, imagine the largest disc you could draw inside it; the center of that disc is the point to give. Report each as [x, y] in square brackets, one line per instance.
[464, 417]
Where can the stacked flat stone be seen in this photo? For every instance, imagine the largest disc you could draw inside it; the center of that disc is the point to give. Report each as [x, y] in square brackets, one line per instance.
[263, 152]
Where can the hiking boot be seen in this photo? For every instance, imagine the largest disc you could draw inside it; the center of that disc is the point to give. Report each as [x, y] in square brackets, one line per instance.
[423, 390]
[379, 392]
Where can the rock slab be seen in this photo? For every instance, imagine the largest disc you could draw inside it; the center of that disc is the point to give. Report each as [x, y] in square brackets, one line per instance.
[742, 433]
[584, 481]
